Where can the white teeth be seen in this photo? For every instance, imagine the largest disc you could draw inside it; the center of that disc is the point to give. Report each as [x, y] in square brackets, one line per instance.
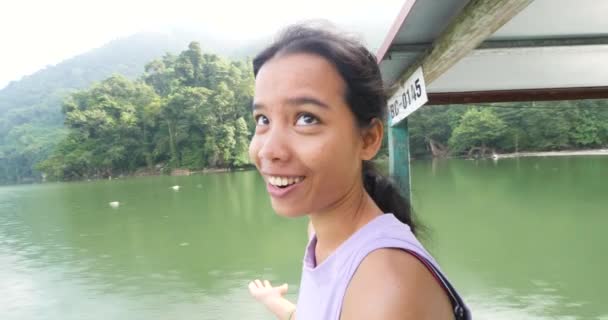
[283, 181]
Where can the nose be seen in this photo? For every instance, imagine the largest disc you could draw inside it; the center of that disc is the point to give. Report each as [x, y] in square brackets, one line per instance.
[274, 146]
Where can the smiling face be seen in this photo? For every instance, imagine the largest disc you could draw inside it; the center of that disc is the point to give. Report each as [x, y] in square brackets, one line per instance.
[307, 145]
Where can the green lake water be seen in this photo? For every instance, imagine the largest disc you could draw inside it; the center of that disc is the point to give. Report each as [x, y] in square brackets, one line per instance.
[520, 238]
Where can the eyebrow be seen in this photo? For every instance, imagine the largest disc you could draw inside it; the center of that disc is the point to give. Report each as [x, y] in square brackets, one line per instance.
[297, 101]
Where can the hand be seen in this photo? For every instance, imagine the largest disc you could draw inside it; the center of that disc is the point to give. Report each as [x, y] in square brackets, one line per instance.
[265, 293]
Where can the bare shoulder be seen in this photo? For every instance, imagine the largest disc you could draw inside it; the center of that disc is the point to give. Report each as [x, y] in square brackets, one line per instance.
[393, 284]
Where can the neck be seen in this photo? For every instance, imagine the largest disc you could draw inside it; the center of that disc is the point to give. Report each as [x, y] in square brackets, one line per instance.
[337, 223]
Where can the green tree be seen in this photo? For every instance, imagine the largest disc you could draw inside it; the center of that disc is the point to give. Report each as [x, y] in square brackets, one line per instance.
[107, 132]
[182, 111]
[241, 148]
[477, 129]
[160, 75]
[588, 127]
[431, 127]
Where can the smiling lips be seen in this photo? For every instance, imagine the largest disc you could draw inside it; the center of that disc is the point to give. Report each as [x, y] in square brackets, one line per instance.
[283, 181]
[280, 186]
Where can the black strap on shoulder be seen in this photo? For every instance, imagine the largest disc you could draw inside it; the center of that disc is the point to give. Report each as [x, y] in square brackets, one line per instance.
[460, 309]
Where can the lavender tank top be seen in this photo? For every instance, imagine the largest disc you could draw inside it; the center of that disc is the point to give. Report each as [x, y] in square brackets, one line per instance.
[323, 286]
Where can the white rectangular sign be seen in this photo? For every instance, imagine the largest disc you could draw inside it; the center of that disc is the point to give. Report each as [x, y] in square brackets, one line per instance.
[408, 98]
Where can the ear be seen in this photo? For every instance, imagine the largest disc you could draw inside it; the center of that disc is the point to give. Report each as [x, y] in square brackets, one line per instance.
[372, 139]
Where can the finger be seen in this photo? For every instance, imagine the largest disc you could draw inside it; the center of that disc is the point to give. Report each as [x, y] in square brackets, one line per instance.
[252, 287]
[259, 283]
[283, 288]
[267, 284]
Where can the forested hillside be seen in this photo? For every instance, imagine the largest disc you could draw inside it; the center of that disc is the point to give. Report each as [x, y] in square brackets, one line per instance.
[139, 103]
[31, 120]
[186, 111]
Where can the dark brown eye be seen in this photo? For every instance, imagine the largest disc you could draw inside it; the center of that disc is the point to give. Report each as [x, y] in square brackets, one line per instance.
[261, 120]
[306, 119]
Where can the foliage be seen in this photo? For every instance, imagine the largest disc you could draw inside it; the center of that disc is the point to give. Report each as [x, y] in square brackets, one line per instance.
[35, 101]
[192, 110]
[187, 111]
[511, 127]
[477, 128]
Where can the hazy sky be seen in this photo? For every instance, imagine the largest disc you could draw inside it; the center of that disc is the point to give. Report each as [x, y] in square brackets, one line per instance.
[37, 33]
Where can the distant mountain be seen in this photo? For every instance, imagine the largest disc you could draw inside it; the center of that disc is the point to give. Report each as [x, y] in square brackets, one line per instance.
[30, 109]
[126, 56]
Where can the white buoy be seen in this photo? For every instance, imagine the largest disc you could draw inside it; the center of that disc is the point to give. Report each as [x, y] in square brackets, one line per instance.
[176, 188]
[114, 204]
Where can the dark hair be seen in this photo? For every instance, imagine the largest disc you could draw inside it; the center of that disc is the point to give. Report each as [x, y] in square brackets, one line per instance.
[364, 94]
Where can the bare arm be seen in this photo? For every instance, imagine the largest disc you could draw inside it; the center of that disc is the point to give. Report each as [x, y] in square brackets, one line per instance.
[392, 284]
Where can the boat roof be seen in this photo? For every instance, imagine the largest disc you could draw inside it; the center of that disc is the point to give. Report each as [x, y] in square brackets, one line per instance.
[524, 50]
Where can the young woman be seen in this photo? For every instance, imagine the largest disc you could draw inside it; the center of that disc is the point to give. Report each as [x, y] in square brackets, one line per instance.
[319, 109]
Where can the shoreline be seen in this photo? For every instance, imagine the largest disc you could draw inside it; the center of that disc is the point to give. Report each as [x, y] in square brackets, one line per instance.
[139, 173]
[590, 152]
